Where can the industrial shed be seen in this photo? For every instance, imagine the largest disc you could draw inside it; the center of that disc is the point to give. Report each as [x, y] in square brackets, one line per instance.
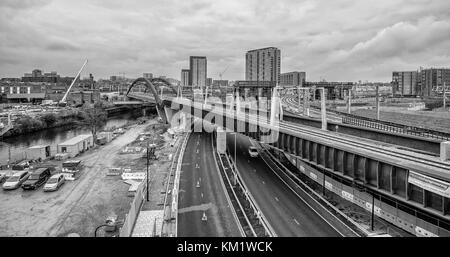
[76, 145]
[38, 152]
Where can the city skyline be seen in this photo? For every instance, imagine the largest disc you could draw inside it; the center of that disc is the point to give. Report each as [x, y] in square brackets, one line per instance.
[351, 41]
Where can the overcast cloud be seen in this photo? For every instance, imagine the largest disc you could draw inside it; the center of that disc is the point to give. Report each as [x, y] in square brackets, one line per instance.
[335, 39]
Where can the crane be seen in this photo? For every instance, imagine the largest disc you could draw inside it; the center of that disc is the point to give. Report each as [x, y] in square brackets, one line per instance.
[221, 73]
[63, 101]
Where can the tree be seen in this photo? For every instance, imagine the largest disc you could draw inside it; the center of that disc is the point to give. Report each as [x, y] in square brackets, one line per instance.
[49, 119]
[94, 116]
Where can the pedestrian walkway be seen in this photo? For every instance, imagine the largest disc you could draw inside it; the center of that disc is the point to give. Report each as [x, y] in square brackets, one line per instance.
[149, 224]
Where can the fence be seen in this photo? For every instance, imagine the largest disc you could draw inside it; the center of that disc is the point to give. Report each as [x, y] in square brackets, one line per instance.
[132, 215]
[389, 126]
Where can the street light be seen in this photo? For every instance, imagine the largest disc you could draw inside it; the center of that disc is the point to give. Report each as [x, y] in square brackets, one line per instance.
[96, 229]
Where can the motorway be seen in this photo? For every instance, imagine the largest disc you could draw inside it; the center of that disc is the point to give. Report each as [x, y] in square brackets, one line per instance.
[199, 166]
[285, 211]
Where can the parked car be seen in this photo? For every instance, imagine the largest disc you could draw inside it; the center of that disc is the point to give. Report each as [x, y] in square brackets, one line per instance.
[253, 151]
[21, 165]
[36, 179]
[5, 174]
[16, 180]
[54, 183]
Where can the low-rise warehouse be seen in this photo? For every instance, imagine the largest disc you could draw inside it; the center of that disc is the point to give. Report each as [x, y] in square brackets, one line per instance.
[76, 145]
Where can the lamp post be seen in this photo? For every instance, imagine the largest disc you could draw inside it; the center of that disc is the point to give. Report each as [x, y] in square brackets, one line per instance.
[96, 229]
[148, 160]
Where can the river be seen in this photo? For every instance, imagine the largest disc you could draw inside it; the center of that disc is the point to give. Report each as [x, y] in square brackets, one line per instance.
[54, 136]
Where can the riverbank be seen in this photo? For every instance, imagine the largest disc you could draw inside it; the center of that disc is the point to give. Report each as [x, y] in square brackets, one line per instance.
[13, 148]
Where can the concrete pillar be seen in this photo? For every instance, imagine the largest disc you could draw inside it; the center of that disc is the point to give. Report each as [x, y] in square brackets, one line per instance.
[306, 95]
[445, 151]
[323, 109]
[221, 140]
[169, 113]
[378, 102]
[349, 102]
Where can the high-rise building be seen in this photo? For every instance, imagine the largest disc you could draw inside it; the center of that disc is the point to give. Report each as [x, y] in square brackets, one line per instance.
[405, 83]
[148, 75]
[209, 82]
[184, 77]
[294, 78]
[432, 80]
[263, 64]
[198, 71]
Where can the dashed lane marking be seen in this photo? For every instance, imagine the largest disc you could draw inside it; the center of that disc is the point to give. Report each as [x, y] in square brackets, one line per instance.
[296, 222]
[276, 199]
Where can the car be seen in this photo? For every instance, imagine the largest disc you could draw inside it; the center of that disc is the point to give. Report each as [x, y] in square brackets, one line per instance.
[253, 151]
[54, 183]
[5, 174]
[16, 180]
[23, 165]
[36, 179]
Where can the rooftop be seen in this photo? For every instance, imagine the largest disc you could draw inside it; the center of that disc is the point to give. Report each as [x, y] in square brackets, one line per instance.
[38, 146]
[76, 140]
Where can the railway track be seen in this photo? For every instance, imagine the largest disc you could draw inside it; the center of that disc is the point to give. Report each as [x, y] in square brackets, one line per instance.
[359, 144]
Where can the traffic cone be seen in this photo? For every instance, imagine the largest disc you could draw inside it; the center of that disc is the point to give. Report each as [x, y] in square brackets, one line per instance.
[204, 218]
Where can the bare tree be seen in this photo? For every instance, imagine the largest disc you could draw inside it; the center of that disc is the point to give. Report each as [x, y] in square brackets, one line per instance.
[94, 116]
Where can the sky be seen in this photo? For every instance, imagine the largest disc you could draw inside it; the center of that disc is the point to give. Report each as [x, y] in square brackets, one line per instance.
[335, 40]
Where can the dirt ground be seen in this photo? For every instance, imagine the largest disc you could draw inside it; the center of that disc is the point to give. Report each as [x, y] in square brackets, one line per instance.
[78, 206]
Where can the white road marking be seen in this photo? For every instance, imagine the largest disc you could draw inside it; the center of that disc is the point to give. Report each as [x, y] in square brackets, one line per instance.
[296, 222]
[202, 195]
[264, 182]
[276, 199]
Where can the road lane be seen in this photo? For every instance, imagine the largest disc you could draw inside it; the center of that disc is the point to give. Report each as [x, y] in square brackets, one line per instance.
[288, 215]
[199, 167]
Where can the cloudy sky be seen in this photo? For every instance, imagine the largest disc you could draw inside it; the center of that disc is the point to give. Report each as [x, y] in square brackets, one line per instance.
[345, 40]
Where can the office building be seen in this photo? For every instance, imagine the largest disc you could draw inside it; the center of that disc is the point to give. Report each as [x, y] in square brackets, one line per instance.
[148, 76]
[50, 77]
[295, 78]
[263, 65]
[184, 77]
[405, 83]
[432, 81]
[197, 71]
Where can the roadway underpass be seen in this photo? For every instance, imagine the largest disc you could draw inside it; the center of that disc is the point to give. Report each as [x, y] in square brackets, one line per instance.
[199, 166]
[285, 211]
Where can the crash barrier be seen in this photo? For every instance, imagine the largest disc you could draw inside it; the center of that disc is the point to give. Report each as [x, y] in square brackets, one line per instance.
[314, 198]
[176, 183]
[237, 209]
[239, 181]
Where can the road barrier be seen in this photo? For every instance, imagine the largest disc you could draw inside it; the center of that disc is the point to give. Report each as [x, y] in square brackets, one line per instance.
[295, 183]
[262, 219]
[176, 184]
[239, 214]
